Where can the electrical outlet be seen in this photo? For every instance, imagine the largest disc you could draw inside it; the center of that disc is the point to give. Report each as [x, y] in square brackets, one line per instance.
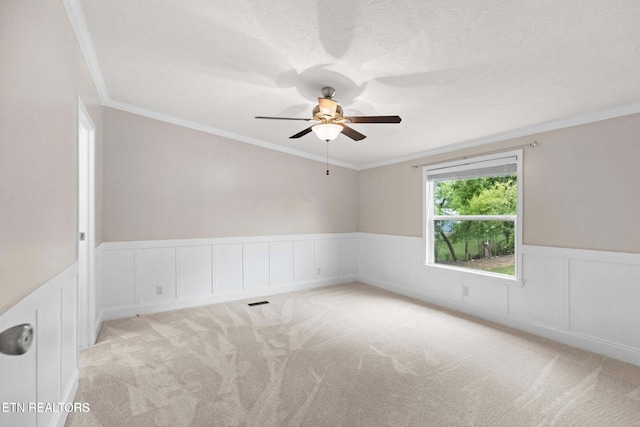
[465, 291]
[159, 290]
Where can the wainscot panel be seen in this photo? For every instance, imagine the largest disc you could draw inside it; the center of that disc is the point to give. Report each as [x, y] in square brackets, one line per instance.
[155, 272]
[281, 263]
[255, 258]
[605, 300]
[229, 267]
[195, 271]
[303, 260]
[544, 298]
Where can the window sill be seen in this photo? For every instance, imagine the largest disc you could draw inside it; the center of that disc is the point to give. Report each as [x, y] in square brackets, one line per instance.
[509, 280]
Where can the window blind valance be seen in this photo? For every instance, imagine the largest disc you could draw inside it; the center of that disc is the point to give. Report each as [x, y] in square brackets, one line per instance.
[470, 170]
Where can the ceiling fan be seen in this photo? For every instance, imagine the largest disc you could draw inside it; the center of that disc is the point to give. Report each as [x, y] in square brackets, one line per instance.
[330, 120]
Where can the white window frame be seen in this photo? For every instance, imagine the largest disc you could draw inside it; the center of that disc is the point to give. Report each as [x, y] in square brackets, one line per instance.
[429, 216]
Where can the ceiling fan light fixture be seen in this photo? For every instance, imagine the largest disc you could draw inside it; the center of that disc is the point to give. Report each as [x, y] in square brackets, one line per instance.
[327, 131]
[331, 119]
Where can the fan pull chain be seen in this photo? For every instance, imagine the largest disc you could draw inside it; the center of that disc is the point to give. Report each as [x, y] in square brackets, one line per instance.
[327, 157]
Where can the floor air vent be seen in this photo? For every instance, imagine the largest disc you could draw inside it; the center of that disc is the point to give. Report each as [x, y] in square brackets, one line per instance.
[251, 304]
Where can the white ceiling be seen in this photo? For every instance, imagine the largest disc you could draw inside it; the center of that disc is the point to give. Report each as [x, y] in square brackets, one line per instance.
[456, 71]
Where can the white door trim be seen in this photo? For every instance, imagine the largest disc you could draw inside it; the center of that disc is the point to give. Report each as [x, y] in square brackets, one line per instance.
[87, 291]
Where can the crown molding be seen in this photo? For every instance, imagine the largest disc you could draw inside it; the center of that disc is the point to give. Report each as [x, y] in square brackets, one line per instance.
[221, 132]
[79, 25]
[596, 116]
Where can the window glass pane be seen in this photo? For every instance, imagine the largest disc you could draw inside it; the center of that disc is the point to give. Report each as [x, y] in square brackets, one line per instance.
[477, 196]
[479, 245]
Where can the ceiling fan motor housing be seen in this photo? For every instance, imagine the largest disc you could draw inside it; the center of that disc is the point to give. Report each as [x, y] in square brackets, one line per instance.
[328, 92]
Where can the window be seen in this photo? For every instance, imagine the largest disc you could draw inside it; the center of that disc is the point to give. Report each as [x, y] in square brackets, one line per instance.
[472, 214]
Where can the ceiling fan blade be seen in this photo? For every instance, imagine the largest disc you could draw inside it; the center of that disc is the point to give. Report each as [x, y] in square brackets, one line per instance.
[327, 106]
[301, 133]
[282, 118]
[373, 119]
[352, 133]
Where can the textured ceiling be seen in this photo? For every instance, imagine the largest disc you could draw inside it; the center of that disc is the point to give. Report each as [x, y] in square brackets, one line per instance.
[454, 70]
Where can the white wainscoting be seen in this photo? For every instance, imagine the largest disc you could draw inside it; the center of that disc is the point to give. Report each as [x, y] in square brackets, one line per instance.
[48, 372]
[587, 299]
[151, 276]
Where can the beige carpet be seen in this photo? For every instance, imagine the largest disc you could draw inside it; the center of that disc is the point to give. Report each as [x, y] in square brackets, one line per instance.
[348, 355]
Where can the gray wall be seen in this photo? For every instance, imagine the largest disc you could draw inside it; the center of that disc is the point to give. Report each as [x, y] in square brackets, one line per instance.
[163, 181]
[580, 188]
[41, 74]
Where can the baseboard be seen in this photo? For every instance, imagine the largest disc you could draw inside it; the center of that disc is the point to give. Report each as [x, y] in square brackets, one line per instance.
[595, 345]
[160, 306]
[392, 287]
[68, 396]
[98, 325]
